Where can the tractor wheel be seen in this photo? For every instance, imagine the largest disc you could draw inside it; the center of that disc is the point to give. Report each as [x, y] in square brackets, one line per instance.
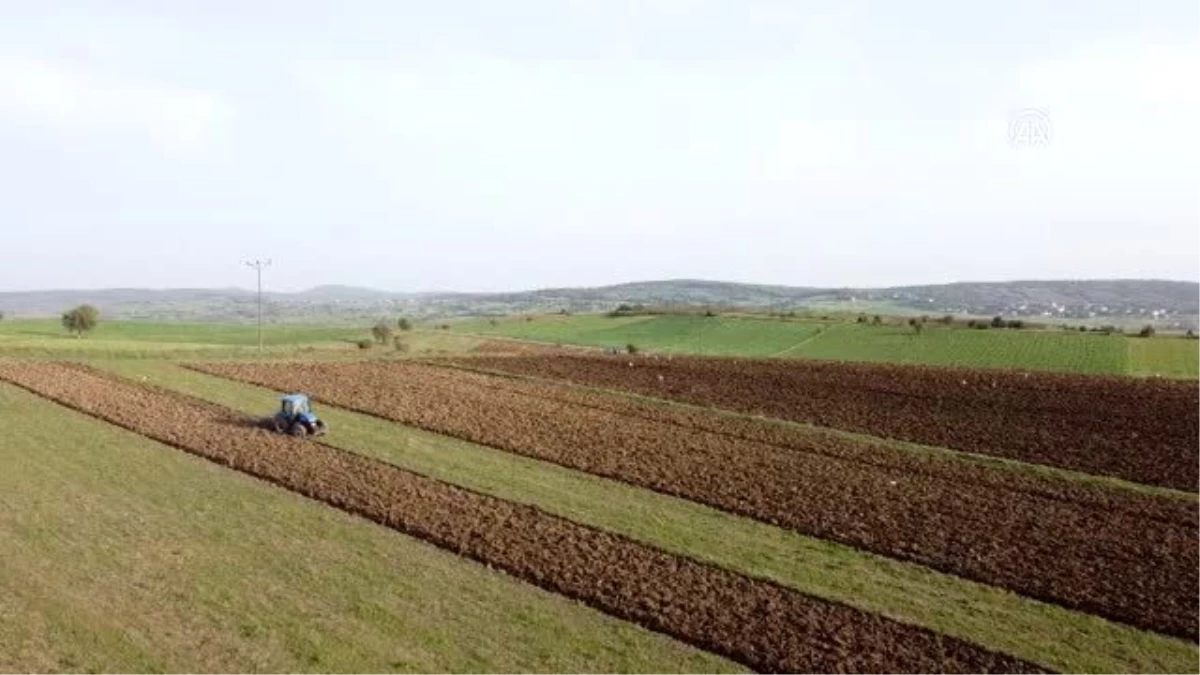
[298, 430]
[276, 425]
[320, 428]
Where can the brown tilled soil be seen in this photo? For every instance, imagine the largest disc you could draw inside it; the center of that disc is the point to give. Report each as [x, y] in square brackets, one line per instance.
[1142, 430]
[760, 624]
[1128, 557]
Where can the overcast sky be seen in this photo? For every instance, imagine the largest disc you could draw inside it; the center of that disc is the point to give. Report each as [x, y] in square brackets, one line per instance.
[489, 145]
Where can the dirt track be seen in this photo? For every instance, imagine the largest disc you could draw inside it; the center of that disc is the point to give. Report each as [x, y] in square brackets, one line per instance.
[758, 623]
[1140, 430]
[1076, 546]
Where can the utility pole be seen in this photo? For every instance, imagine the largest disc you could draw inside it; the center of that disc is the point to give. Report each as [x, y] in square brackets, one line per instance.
[258, 266]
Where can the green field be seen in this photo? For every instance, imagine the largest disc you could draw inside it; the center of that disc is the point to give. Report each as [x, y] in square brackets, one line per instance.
[45, 338]
[121, 554]
[1165, 357]
[1052, 350]
[1036, 349]
[717, 336]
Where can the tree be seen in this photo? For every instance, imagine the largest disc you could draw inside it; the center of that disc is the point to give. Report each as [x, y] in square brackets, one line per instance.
[404, 324]
[1146, 331]
[997, 321]
[877, 320]
[631, 348]
[80, 319]
[948, 319]
[862, 318]
[382, 332]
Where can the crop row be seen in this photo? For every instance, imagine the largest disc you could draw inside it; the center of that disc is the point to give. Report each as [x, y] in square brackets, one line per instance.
[759, 623]
[1074, 553]
[1142, 430]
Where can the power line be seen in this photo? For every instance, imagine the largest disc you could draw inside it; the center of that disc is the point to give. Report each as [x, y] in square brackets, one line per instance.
[258, 266]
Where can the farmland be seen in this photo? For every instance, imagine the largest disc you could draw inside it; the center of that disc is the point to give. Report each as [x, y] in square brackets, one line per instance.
[120, 554]
[44, 338]
[863, 498]
[672, 517]
[760, 624]
[1075, 417]
[812, 338]
[718, 336]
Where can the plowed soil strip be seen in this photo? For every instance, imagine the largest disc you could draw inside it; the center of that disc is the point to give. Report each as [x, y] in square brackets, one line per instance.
[1140, 430]
[832, 443]
[758, 623]
[1136, 563]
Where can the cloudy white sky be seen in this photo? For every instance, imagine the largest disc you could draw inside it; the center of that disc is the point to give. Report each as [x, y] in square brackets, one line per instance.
[499, 145]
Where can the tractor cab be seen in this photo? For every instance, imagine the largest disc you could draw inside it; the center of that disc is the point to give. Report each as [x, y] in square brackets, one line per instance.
[296, 417]
[294, 406]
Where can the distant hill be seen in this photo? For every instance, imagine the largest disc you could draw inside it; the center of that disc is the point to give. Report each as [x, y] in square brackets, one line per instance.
[1166, 301]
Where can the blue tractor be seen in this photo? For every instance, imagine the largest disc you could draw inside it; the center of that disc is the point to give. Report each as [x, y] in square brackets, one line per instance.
[296, 417]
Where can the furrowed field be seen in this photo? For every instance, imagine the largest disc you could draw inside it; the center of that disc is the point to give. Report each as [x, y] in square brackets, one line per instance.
[485, 504]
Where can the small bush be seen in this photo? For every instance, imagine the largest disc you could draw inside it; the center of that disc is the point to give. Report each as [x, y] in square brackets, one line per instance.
[1083, 329]
[947, 319]
[709, 313]
[631, 348]
[1016, 324]
[1189, 335]
[981, 325]
[876, 320]
[382, 331]
[862, 318]
[404, 324]
[1146, 331]
[365, 343]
